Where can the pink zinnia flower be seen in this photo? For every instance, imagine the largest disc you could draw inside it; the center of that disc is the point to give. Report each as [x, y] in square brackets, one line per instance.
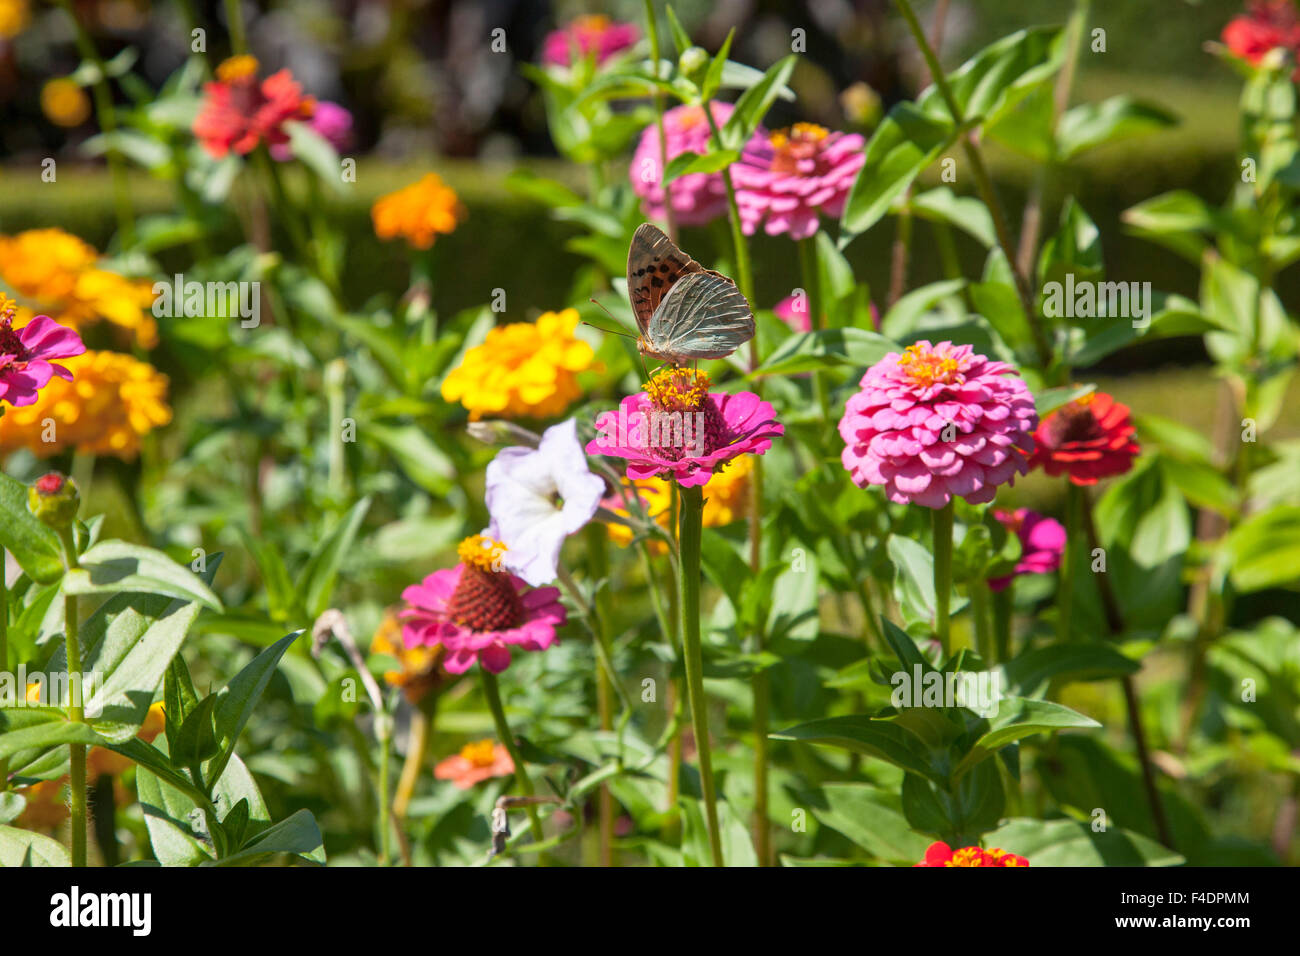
[331, 121]
[26, 355]
[698, 198]
[477, 611]
[938, 421]
[786, 179]
[594, 32]
[239, 112]
[1042, 541]
[475, 763]
[677, 428]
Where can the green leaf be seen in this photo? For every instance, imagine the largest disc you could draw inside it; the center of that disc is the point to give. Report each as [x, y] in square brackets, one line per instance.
[913, 577]
[999, 77]
[316, 153]
[681, 39]
[1050, 399]
[34, 546]
[1177, 220]
[297, 834]
[1017, 718]
[1076, 661]
[1074, 843]
[873, 819]
[965, 212]
[238, 699]
[1264, 550]
[906, 142]
[688, 162]
[958, 815]
[25, 848]
[806, 351]
[903, 316]
[713, 78]
[1089, 125]
[316, 581]
[113, 567]
[196, 741]
[875, 738]
[755, 102]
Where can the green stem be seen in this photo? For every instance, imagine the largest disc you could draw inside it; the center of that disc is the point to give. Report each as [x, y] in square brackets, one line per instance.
[235, 23]
[1002, 606]
[943, 575]
[979, 609]
[4, 648]
[813, 290]
[1074, 548]
[744, 272]
[983, 182]
[689, 533]
[492, 691]
[76, 713]
[598, 556]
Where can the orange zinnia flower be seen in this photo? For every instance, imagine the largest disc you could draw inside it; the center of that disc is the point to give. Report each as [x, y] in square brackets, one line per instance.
[418, 212]
[475, 763]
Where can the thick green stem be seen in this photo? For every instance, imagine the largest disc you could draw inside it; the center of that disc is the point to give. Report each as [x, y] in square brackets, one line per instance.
[492, 691]
[689, 532]
[235, 24]
[1074, 549]
[943, 576]
[76, 712]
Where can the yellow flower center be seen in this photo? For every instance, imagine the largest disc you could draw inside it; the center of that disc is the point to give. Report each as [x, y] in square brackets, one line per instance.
[678, 389]
[798, 133]
[591, 22]
[237, 68]
[481, 552]
[925, 367]
[480, 754]
[967, 856]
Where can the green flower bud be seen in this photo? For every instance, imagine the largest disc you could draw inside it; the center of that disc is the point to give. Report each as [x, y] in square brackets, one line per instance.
[55, 500]
[693, 62]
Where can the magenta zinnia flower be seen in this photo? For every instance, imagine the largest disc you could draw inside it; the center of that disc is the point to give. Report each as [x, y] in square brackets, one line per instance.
[698, 198]
[938, 421]
[26, 354]
[1042, 541]
[593, 32]
[677, 428]
[793, 311]
[786, 179]
[331, 121]
[477, 611]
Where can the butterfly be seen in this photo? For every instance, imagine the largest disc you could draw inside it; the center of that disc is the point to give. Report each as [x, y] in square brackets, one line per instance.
[683, 311]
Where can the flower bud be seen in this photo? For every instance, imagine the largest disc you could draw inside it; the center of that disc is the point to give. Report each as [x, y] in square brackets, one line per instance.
[693, 62]
[55, 500]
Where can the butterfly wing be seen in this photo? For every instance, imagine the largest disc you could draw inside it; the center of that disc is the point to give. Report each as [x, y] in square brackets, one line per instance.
[654, 264]
[703, 316]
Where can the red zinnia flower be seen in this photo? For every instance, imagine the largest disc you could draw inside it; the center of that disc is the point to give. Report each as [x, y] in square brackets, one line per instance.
[1267, 25]
[239, 112]
[940, 854]
[1089, 438]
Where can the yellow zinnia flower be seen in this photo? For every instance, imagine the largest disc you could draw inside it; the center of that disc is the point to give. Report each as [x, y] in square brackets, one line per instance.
[725, 496]
[112, 401]
[59, 272]
[417, 212]
[522, 369]
[64, 103]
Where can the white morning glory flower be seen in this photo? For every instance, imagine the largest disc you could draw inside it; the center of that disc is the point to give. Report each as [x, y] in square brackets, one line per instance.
[538, 497]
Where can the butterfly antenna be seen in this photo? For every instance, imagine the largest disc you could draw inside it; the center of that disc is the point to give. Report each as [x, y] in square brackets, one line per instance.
[628, 335]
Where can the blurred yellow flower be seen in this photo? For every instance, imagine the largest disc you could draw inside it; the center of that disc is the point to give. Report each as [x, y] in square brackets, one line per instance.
[59, 272]
[101, 761]
[417, 212]
[725, 497]
[111, 403]
[523, 369]
[64, 103]
[14, 17]
[46, 809]
[419, 672]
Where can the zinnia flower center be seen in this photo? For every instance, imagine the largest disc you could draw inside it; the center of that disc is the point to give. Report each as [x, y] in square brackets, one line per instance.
[678, 389]
[926, 367]
[12, 350]
[1073, 422]
[480, 754]
[237, 69]
[802, 141]
[966, 856]
[485, 598]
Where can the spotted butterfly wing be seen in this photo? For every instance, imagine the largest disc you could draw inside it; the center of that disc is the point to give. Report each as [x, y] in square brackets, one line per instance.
[703, 316]
[654, 264]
